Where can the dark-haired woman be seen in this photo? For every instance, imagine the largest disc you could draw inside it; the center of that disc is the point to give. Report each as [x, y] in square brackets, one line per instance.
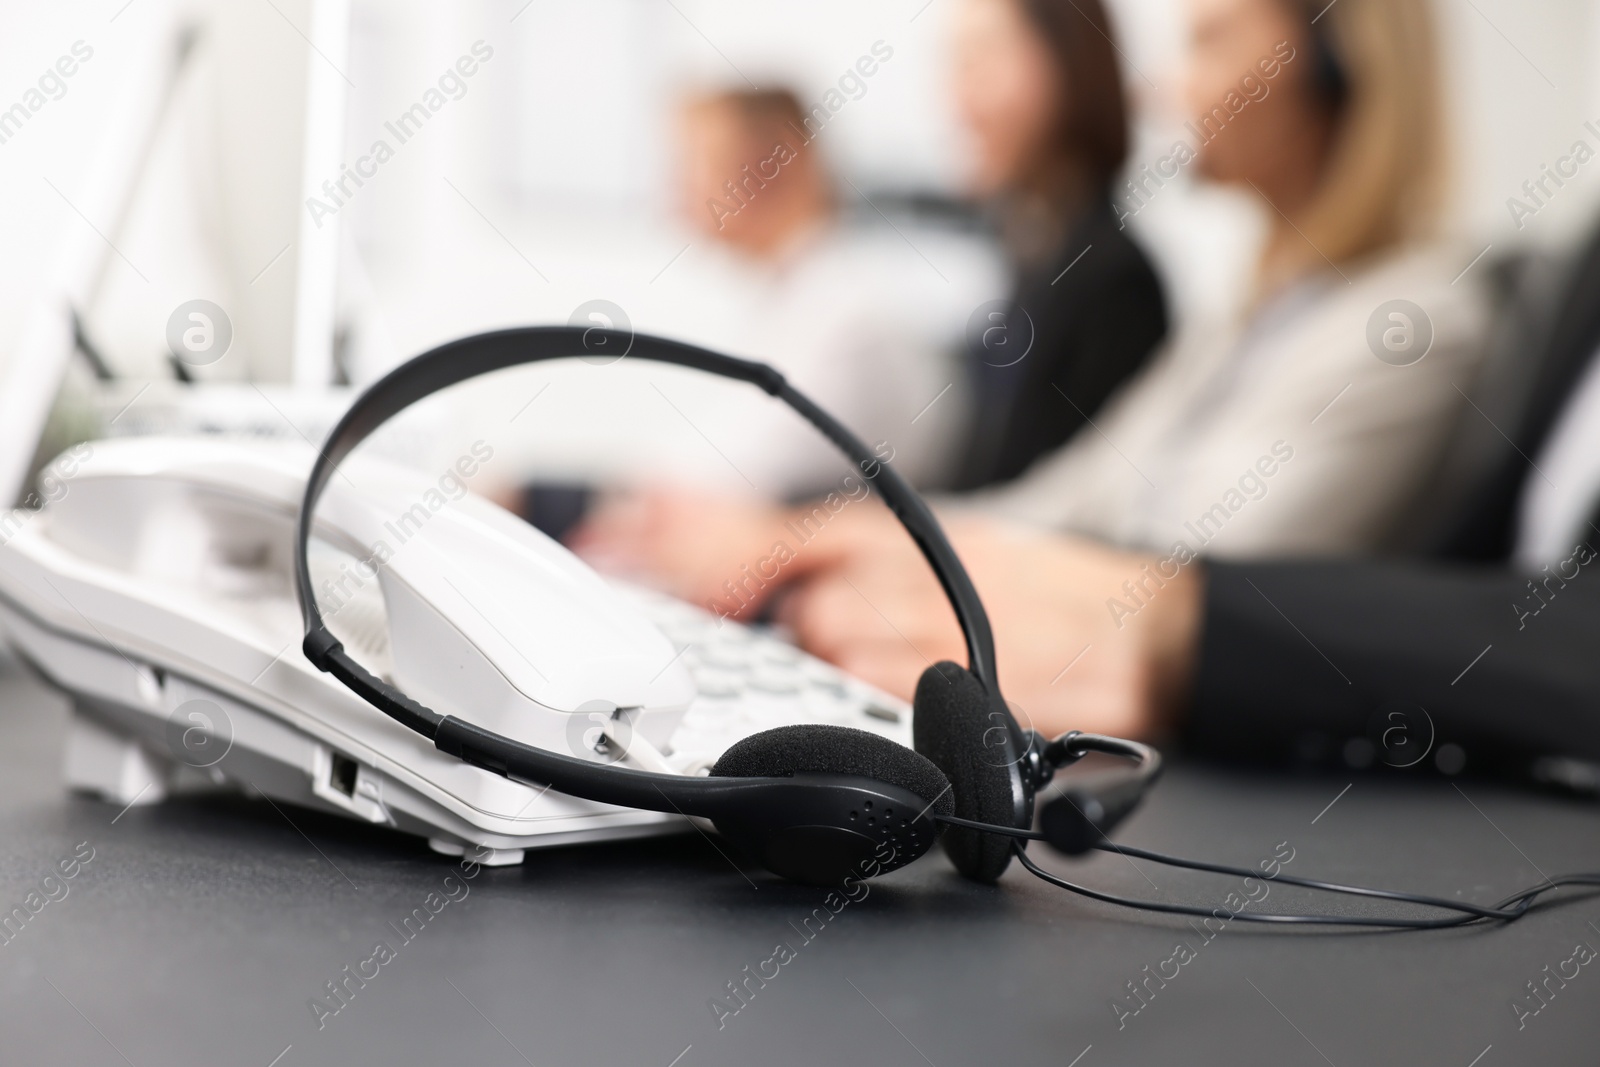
[1039, 90]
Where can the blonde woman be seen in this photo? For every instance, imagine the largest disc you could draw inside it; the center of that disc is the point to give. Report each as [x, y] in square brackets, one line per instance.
[1304, 426]
[1308, 422]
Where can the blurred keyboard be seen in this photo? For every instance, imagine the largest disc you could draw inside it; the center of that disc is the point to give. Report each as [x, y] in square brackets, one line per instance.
[750, 679]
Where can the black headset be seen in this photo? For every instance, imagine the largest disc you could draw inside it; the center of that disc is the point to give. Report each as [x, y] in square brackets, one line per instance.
[818, 803]
[812, 803]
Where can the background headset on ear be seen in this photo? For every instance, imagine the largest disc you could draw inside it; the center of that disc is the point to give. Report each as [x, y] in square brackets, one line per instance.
[818, 803]
[1328, 72]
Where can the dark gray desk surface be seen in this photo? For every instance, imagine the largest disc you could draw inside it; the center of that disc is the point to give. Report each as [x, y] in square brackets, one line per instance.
[201, 929]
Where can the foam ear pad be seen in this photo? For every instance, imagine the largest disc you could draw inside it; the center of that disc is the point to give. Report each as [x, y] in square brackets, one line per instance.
[838, 803]
[818, 749]
[967, 734]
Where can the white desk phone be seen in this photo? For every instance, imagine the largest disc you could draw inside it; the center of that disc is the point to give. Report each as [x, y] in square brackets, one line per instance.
[155, 591]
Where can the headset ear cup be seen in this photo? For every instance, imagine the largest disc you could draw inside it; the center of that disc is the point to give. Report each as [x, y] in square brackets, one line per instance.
[969, 735]
[817, 748]
[802, 831]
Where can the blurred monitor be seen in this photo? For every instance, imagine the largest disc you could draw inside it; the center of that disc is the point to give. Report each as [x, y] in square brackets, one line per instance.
[219, 119]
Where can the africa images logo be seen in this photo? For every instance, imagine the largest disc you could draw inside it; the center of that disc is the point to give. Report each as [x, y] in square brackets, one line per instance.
[1399, 333]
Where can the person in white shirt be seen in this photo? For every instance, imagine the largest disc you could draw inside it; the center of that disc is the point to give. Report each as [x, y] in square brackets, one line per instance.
[852, 315]
[861, 314]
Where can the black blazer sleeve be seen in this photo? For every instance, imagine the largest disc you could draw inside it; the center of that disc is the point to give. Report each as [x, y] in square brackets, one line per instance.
[1299, 660]
[1309, 660]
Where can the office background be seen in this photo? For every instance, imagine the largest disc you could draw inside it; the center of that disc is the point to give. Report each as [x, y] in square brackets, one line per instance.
[545, 185]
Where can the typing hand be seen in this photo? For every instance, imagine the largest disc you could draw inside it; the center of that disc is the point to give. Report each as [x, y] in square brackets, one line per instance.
[1064, 660]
